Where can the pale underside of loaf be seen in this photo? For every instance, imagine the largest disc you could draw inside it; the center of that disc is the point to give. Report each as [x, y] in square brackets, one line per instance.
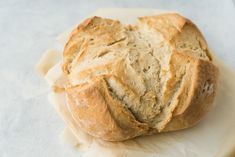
[126, 81]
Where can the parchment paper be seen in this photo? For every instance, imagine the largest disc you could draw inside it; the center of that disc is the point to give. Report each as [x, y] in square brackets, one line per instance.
[213, 136]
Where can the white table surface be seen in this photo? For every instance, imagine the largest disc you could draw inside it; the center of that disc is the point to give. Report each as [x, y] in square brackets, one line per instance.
[29, 125]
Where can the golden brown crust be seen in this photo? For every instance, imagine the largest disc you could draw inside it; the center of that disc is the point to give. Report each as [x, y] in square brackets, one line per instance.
[169, 25]
[102, 110]
[101, 31]
[100, 115]
[196, 97]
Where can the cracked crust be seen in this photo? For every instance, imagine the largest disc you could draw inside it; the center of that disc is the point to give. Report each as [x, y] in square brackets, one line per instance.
[197, 95]
[100, 114]
[129, 81]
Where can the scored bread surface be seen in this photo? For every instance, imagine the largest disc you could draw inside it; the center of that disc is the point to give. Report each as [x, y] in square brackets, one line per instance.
[128, 81]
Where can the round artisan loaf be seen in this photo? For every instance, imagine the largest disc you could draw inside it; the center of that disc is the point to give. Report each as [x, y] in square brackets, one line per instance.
[128, 81]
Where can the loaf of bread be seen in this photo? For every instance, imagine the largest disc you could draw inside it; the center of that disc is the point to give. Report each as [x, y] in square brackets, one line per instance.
[128, 81]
